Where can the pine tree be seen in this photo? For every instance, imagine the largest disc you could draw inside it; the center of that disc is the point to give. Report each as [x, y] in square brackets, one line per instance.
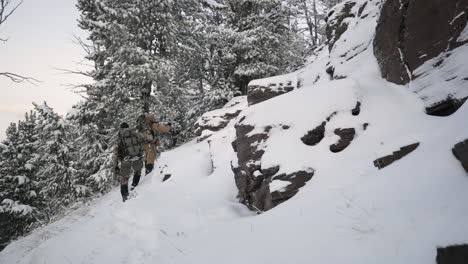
[20, 204]
[59, 185]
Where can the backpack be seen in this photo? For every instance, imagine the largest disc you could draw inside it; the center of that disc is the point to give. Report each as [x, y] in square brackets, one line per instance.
[131, 143]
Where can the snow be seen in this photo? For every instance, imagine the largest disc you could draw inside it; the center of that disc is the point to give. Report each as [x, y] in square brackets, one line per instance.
[449, 78]
[9, 205]
[217, 117]
[278, 185]
[349, 212]
[464, 35]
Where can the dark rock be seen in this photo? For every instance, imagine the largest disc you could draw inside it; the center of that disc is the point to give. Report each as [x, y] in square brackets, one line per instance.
[314, 136]
[460, 151]
[357, 109]
[388, 42]
[253, 181]
[330, 116]
[340, 77]
[411, 32]
[446, 107]
[270, 171]
[250, 181]
[218, 119]
[457, 254]
[346, 136]
[383, 162]
[336, 25]
[430, 27]
[166, 177]
[365, 125]
[330, 71]
[297, 180]
[361, 9]
[258, 94]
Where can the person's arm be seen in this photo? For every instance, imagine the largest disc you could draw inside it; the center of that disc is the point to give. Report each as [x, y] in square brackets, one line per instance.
[116, 157]
[160, 128]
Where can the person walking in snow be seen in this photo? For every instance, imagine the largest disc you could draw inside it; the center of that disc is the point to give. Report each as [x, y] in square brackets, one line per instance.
[129, 152]
[150, 130]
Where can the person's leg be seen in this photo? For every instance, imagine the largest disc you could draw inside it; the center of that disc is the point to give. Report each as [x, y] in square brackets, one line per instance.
[150, 157]
[137, 166]
[125, 174]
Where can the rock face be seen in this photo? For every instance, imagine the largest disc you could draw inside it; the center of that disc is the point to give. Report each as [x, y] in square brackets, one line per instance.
[383, 162]
[460, 151]
[414, 37]
[262, 188]
[218, 119]
[452, 255]
[336, 24]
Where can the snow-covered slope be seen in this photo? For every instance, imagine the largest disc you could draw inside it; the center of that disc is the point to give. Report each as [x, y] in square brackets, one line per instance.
[349, 212]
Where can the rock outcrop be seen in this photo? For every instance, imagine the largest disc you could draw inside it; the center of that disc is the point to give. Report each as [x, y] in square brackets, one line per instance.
[262, 188]
[337, 24]
[218, 119]
[264, 89]
[460, 151]
[457, 254]
[416, 41]
[383, 162]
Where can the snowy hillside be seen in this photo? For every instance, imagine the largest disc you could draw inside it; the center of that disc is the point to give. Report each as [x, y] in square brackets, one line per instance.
[313, 159]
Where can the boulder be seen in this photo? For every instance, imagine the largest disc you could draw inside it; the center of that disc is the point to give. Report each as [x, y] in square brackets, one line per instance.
[460, 151]
[383, 162]
[457, 254]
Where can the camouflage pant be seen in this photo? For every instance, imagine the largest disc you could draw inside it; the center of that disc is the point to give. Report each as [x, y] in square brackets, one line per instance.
[126, 169]
[150, 153]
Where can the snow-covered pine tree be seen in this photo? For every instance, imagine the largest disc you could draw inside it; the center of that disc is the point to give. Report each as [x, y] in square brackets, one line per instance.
[20, 204]
[261, 37]
[59, 184]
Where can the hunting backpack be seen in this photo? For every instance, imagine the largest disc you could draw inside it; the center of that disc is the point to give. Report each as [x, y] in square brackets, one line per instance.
[131, 143]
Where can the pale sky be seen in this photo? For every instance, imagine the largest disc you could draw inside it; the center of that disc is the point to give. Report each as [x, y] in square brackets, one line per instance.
[40, 37]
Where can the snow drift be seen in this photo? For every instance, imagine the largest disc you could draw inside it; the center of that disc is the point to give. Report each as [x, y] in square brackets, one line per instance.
[347, 209]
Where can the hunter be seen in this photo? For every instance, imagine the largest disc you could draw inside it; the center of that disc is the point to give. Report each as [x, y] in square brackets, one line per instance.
[129, 152]
[150, 130]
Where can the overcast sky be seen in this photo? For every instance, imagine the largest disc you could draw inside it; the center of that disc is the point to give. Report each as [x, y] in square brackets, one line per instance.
[40, 37]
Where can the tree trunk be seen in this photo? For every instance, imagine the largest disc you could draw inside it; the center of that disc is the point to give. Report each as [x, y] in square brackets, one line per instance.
[145, 96]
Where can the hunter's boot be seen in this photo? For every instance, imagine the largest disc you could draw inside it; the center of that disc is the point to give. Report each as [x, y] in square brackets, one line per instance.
[124, 192]
[149, 168]
[136, 180]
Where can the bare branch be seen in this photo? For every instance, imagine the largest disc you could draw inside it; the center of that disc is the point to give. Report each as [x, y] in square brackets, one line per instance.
[77, 72]
[4, 12]
[19, 78]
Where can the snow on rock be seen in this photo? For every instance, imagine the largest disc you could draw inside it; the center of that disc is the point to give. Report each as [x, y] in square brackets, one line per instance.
[317, 206]
[264, 89]
[217, 119]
